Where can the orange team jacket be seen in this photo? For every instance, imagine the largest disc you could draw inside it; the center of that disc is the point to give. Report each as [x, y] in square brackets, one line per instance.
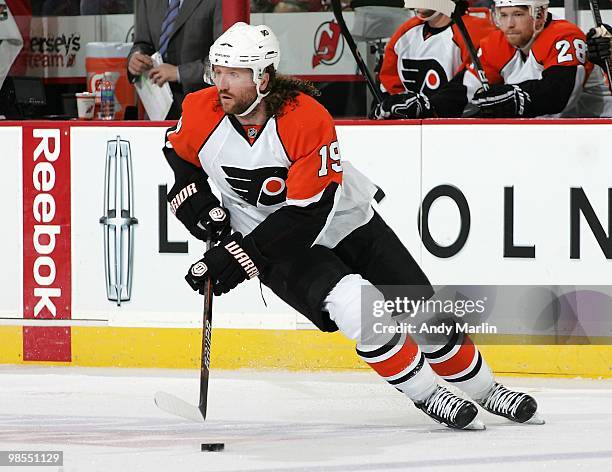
[421, 59]
[266, 175]
[559, 44]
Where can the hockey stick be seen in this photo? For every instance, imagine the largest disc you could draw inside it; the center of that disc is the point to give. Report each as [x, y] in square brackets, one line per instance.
[175, 405]
[470, 110]
[348, 37]
[598, 23]
[456, 16]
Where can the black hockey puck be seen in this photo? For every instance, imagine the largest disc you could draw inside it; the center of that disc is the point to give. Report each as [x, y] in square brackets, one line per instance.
[212, 447]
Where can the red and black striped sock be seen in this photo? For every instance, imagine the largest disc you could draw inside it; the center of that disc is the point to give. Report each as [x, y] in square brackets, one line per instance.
[401, 363]
[459, 362]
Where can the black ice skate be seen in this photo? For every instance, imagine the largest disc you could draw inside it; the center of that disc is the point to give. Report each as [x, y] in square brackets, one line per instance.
[450, 410]
[515, 406]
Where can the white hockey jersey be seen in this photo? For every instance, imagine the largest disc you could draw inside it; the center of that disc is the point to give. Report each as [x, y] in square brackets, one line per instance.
[421, 59]
[290, 160]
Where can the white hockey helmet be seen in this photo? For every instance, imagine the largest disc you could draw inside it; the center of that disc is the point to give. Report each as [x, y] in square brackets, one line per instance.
[246, 46]
[423, 6]
[536, 7]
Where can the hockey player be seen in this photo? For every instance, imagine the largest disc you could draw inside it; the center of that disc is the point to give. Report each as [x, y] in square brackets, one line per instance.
[537, 66]
[423, 55]
[303, 223]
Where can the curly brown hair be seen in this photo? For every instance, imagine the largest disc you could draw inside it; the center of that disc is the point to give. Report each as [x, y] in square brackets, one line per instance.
[284, 91]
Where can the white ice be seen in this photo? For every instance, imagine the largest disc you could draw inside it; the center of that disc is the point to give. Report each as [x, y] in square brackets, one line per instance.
[105, 420]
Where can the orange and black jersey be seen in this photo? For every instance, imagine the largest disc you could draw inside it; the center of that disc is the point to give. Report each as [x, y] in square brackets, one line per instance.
[281, 182]
[560, 43]
[554, 71]
[422, 59]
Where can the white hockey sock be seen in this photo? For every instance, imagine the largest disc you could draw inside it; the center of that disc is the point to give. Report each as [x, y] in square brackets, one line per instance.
[394, 356]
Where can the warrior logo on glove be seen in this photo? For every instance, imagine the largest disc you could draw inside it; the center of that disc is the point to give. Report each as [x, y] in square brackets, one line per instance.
[228, 265]
[199, 210]
[217, 214]
[185, 193]
[199, 269]
[243, 259]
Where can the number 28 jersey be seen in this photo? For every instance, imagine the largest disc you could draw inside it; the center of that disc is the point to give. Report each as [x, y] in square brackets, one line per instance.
[559, 44]
[290, 163]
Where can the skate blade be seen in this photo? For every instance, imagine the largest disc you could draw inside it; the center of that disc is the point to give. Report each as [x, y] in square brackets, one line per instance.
[475, 425]
[535, 419]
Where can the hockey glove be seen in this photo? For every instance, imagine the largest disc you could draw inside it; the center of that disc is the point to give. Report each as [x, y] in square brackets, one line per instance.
[227, 264]
[199, 210]
[502, 101]
[599, 44]
[403, 105]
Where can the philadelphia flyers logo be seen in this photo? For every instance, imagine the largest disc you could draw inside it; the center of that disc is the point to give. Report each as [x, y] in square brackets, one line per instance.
[265, 186]
[424, 76]
[328, 44]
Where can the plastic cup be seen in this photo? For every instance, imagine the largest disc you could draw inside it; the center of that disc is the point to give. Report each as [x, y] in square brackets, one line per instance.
[86, 103]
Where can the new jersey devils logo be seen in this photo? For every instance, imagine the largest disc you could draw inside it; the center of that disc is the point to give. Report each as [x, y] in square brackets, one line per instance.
[423, 75]
[328, 44]
[265, 186]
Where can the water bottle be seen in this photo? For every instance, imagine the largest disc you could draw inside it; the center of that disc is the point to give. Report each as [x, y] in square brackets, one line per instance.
[107, 98]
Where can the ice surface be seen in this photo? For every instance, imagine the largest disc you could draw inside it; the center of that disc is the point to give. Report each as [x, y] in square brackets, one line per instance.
[105, 419]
